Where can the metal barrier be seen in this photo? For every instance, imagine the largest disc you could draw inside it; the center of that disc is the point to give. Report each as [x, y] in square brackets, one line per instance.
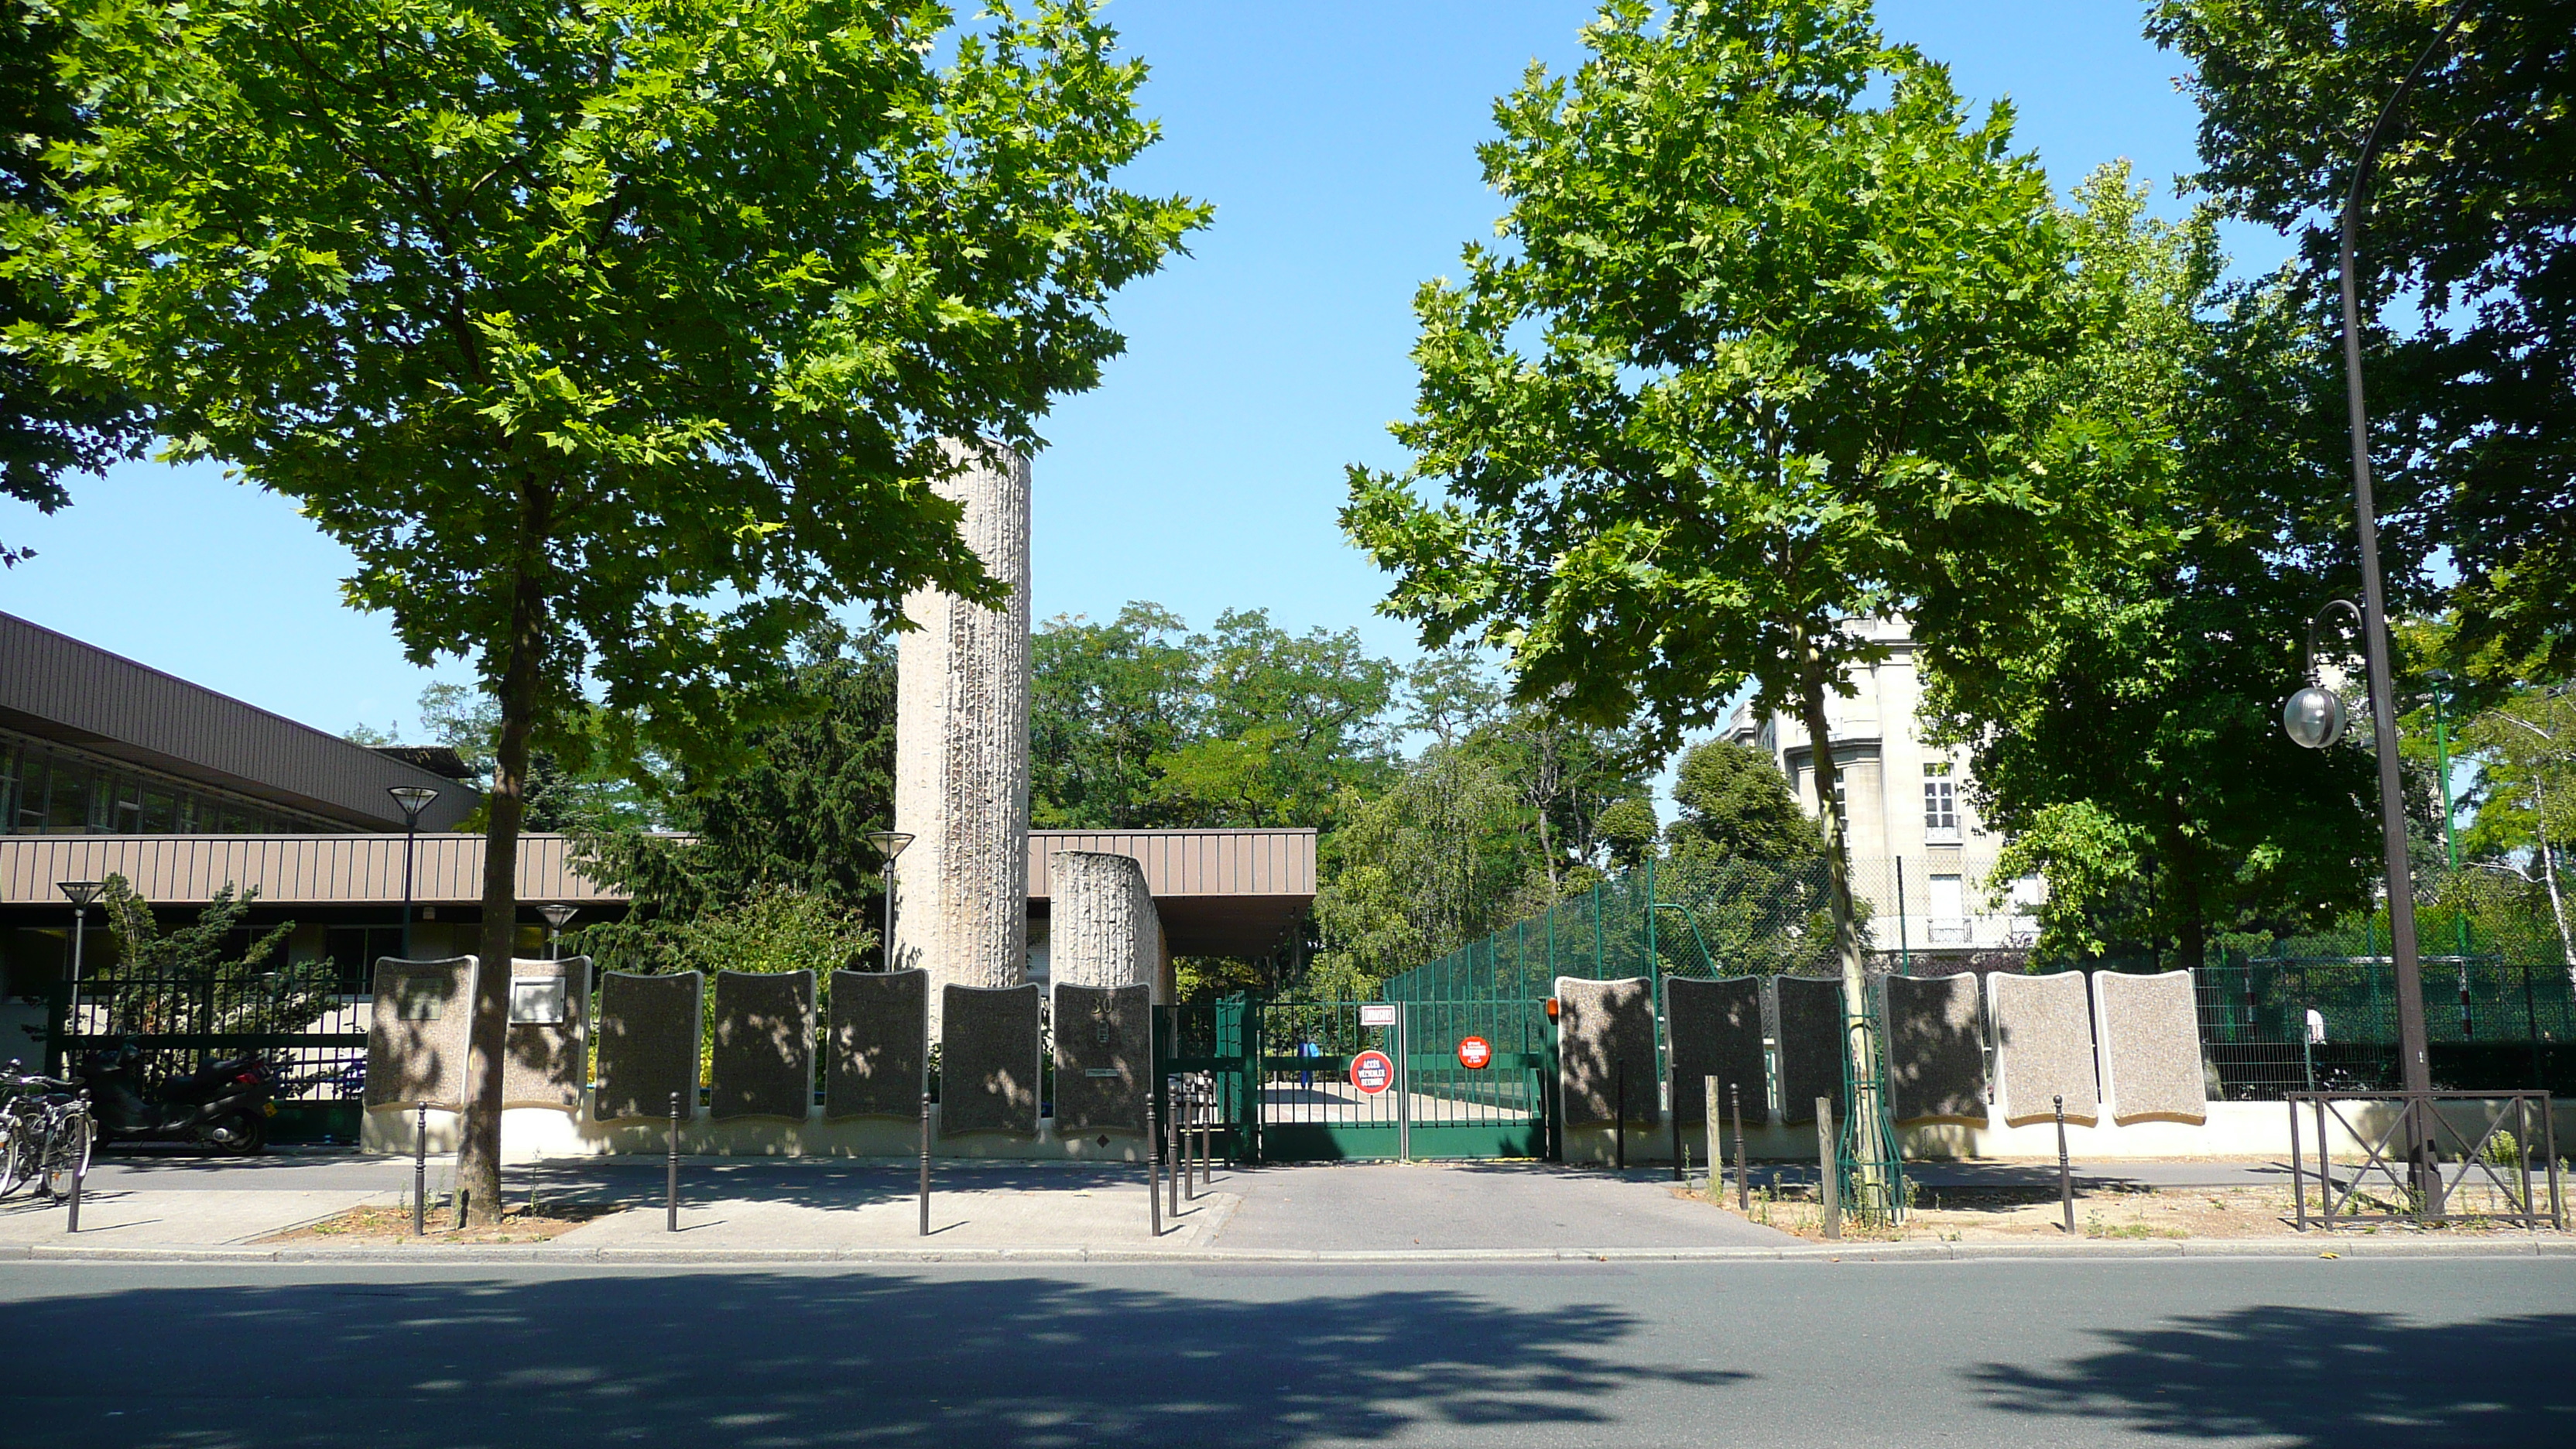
[2483, 1187]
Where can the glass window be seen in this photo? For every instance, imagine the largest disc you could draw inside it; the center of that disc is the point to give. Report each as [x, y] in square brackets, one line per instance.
[160, 812]
[1940, 802]
[67, 798]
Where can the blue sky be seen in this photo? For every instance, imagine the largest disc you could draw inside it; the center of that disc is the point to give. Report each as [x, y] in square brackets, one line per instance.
[1336, 139]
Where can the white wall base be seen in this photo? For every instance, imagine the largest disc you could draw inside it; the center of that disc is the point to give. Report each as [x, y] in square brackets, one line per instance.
[2232, 1129]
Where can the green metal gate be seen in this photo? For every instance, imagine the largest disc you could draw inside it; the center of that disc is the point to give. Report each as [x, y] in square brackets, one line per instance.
[1282, 1070]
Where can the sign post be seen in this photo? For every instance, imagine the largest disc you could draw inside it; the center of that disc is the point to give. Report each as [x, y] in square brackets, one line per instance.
[1404, 1087]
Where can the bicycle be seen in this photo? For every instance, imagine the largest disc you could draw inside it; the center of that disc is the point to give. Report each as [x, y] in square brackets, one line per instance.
[46, 1132]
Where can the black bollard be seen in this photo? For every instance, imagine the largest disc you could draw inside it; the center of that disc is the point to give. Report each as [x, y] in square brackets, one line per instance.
[1743, 1184]
[420, 1171]
[80, 1169]
[2065, 1180]
[1619, 1111]
[925, 1164]
[671, 1180]
[1153, 1173]
[1673, 1111]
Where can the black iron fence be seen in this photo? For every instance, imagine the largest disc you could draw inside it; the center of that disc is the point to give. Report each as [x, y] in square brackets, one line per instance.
[2309, 1024]
[303, 1017]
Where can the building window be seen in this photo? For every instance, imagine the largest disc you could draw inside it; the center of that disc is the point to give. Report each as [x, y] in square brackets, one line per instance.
[1949, 909]
[1940, 805]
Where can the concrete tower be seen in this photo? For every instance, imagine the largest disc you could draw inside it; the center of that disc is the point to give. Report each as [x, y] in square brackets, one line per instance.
[962, 751]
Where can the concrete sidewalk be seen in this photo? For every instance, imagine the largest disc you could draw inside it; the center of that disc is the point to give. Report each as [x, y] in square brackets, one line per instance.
[763, 1209]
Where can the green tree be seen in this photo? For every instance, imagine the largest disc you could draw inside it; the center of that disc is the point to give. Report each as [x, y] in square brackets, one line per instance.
[187, 980]
[1747, 364]
[2471, 211]
[56, 417]
[618, 343]
[2525, 748]
[1106, 703]
[1731, 801]
[792, 818]
[1286, 724]
[2125, 730]
[1443, 857]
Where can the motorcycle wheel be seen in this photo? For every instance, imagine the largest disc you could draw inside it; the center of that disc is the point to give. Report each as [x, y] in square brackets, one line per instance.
[250, 1135]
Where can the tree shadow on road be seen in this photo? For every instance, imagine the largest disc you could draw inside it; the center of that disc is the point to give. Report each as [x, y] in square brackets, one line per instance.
[2318, 1378]
[784, 1360]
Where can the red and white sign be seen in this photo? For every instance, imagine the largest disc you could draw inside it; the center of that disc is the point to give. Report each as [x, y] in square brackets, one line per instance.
[1475, 1053]
[1372, 1072]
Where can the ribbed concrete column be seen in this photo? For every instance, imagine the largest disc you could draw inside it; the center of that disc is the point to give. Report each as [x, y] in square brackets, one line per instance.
[1103, 929]
[962, 754]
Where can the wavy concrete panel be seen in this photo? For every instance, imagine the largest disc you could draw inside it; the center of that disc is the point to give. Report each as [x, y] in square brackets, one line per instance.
[1714, 1029]
[2043, 1029]
[876, 1044]
[417, 1032]
[545, 1061]
[649, 1029]
[2148, 1048]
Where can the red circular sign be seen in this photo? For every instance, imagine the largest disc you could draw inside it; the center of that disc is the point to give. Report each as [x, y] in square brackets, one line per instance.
[1474, 1052]
[1372, 1072]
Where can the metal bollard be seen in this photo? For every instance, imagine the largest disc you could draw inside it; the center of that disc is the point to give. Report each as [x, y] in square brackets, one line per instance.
[1743, 1184]
[1153, 1172]
[1672, 1089]
[2065, 1180]
[671, 1180]
[80, 1169]
[1172, 1165]
[420, 1170]
[1619, 1112]
[1829, 1190]
[925, 1164]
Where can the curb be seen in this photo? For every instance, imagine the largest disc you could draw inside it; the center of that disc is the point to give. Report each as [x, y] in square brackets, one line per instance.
[543, 1253]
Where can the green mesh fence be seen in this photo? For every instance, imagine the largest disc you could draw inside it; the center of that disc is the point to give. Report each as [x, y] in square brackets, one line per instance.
[1685, 917]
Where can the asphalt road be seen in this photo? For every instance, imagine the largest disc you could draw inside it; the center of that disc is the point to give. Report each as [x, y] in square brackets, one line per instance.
[2302, 1352]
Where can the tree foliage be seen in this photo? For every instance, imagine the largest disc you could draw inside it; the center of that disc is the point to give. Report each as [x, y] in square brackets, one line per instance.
[2472, 211]
[620, 344]
[56, 417]
[1750, 359]
[2125, 732]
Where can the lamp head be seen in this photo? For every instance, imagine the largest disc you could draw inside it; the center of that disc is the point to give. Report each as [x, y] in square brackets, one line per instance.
[556, 913]
[2313, 717]
[412, 798]
[79, 892]
[889, 843]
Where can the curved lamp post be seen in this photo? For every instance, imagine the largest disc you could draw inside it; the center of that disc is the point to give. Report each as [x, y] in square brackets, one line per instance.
[889, 843]
[2417, 1071]
[556, 913]
[80, 893]
[413, 799]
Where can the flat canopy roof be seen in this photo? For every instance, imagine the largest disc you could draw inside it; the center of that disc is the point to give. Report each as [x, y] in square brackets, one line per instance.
[57, 688]
[1220, 892]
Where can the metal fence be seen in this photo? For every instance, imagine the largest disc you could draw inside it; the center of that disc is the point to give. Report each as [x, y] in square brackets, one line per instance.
[2277, 1025]
[302, 1016]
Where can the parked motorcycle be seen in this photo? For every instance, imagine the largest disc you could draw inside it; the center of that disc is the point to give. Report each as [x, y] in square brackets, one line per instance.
[225, 1105]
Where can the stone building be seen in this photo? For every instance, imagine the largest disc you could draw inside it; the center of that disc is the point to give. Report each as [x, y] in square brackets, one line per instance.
[1920, 856]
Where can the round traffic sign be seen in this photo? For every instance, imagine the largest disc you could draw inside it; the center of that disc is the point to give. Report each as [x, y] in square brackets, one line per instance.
[1474, 1052]
[1372, 1072]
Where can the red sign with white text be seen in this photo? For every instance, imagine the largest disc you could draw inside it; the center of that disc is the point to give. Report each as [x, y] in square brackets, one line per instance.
[1372, 1072]
[1474, 1053]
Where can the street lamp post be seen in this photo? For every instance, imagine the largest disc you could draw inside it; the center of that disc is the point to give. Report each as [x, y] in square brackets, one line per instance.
[2415, 1067]
[80, 893]
[889, 843]
[413, 799]
[556, 913]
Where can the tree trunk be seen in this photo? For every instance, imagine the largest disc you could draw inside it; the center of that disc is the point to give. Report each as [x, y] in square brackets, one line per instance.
[2191, 930]
[478, 1153]
[1861, 1113]
[2557, 901]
